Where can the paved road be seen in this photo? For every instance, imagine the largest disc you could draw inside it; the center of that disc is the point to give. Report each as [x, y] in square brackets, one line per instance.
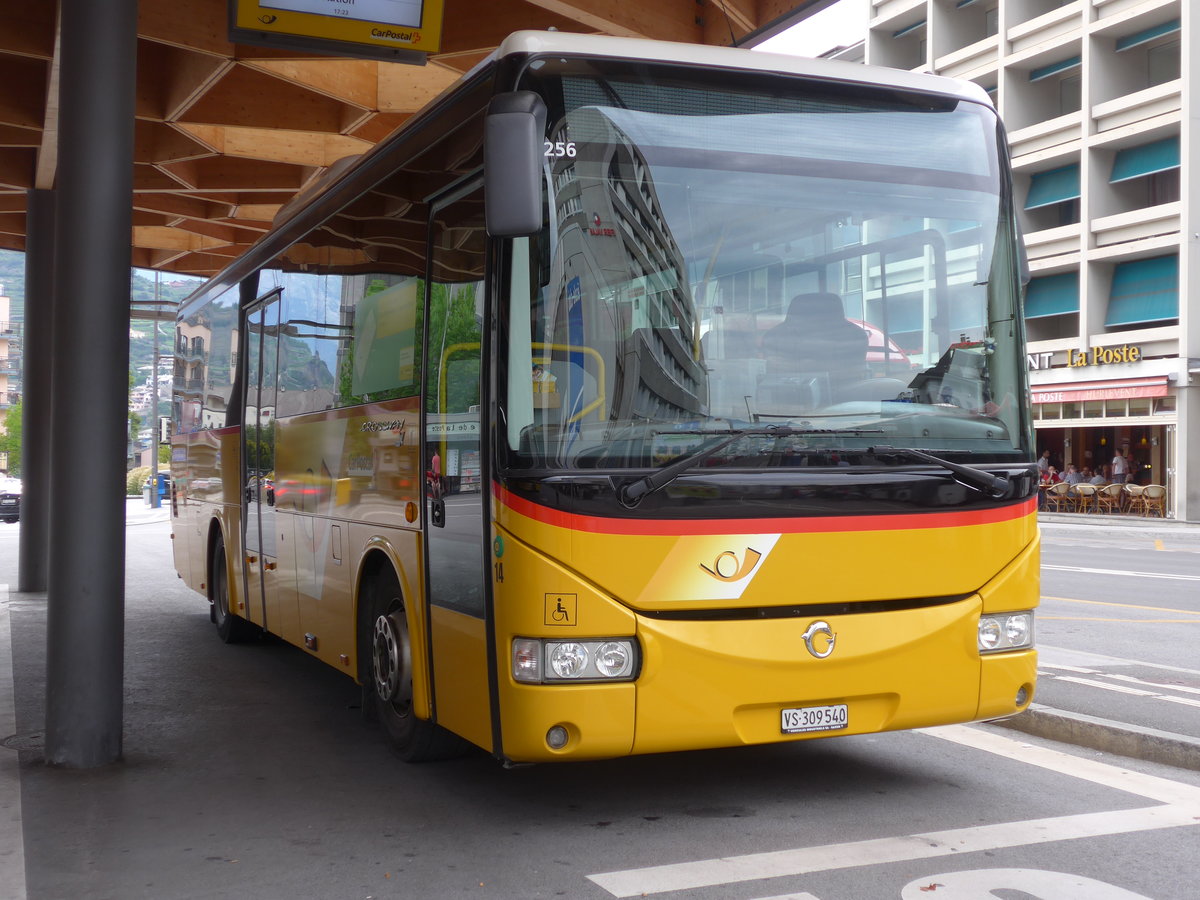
[249, 773]
[1117, 633]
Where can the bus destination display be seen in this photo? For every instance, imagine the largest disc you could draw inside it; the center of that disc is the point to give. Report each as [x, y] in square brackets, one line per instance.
[408, 25]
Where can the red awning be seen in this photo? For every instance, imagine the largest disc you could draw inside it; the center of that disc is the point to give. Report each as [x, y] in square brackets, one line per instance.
[1117, 389]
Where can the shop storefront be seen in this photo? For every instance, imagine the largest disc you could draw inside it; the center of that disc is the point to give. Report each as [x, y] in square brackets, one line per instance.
[1089, 405]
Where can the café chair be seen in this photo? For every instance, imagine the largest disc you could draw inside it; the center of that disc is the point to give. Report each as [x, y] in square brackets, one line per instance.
[1058, 497]
[1085, 497]
[1154, 500]
[1108, 498]
[1133, 498]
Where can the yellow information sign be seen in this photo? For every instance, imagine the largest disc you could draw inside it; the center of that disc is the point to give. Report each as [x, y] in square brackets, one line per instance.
[382, 27]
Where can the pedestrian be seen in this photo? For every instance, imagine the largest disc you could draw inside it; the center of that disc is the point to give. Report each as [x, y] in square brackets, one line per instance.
[1044, 461]
[1120, 467]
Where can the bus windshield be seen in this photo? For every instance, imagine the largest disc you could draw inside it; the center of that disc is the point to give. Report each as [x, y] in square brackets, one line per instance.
[720, 256]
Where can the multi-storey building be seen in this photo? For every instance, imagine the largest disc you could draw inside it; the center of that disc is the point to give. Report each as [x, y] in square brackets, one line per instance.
[1101, 99]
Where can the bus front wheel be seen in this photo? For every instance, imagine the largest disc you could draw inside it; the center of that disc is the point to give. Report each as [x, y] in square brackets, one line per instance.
[389, 680]
[231, 629]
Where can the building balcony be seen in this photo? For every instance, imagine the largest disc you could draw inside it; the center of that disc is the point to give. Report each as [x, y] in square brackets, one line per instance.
[971, 61]
[1047, 247]
[1106, 9]
[1140, 224]
[883, 10]
[1160, 100]
[1049, 27]
[1053, 133]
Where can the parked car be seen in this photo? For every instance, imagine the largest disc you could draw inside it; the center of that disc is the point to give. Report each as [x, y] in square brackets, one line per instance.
[10, 499]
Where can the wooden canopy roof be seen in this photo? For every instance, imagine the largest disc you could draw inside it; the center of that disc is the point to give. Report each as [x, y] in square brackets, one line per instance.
[227, 133]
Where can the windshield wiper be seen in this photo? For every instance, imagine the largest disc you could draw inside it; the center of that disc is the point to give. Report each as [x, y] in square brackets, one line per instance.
[995, 486]
[631, 494]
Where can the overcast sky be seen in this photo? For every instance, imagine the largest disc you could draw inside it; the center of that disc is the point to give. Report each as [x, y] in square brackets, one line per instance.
[840, 25]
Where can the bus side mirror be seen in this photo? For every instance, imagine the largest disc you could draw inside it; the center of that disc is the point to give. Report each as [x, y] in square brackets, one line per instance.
[513, 141]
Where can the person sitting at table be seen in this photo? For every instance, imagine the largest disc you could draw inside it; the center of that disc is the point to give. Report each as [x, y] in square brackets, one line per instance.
[1051, 476]
[1073, 475]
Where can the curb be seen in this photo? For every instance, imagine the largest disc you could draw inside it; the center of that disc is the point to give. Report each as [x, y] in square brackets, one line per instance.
[1123, 739]
[1138, 523]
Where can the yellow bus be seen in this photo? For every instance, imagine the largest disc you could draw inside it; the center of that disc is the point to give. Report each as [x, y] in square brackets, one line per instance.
[633, 397]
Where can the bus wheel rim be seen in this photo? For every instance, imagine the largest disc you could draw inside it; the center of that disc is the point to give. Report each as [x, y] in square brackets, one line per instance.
[389, 657]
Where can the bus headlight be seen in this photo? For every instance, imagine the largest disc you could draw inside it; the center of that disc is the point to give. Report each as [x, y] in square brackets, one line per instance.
[544, 661]
[568, 660]
[1005, 631]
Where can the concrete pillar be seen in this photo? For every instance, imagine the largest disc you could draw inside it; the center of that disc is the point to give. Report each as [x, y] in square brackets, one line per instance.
[85, 621]
[36, 398]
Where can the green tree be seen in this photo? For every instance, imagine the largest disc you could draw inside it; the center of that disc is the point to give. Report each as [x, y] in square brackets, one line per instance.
[452, 324]
[10, 441]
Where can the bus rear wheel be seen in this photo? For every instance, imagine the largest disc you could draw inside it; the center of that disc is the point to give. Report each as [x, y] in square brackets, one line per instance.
[231, 629]
[389, 678]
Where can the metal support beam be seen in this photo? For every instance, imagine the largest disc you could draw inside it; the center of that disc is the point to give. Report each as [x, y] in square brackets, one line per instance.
[35, 397]
[89, 434]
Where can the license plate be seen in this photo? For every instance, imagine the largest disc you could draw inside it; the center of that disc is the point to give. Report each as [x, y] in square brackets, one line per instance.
[814, 718]
[8, 502]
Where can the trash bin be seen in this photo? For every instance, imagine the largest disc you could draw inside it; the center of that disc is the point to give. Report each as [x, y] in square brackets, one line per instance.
[164, 480]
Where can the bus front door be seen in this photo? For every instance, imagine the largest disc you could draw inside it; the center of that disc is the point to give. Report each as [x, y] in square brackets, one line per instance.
[457, 497]
[258, 455]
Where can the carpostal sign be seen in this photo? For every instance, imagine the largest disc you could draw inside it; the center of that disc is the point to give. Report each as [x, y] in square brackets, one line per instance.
[410, 25]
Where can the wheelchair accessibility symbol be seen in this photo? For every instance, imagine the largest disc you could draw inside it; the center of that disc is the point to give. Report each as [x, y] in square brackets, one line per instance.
[560, 609]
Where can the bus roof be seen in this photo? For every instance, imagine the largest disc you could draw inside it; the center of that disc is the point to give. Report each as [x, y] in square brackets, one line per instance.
[543, 42]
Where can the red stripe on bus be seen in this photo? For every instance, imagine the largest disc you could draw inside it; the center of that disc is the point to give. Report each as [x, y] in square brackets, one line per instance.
[778, 525]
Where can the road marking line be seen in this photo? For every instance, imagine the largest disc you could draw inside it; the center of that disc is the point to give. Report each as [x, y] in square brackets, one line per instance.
[1152, 787]
[1089, 571]
[1157, 684]
[1117, 688]
[1120, 621]
[1182, 612]
[1076, 669]
[1100, 659]
[928, 845]
[1186, 701]
[1182, 808]
[1135, 691]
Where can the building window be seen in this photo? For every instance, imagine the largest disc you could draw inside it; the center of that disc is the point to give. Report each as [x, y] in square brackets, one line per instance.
[1144, 292]
[1162, 63]
[1162, 47]
[1053, 198]
[991, 21]
[1070, 94]
[1052, 295]
[1150, 168]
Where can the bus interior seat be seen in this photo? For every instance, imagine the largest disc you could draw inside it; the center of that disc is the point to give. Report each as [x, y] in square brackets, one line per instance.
[735, 368]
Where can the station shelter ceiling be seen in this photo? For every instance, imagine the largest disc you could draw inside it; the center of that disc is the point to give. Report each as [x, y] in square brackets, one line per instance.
[225, 134]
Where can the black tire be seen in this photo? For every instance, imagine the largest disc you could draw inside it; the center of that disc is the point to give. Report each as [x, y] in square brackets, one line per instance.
[231, 628]
[386, 653]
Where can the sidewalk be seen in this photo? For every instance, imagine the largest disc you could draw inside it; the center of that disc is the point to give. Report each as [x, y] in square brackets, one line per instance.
[1095, 519]
[138, 513]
